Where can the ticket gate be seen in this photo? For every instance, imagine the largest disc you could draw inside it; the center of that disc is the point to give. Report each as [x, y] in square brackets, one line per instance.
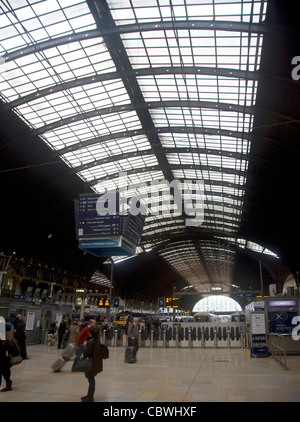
[200, 336]
[203, 335]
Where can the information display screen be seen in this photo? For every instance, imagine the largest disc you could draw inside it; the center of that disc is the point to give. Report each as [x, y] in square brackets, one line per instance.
[108, 233]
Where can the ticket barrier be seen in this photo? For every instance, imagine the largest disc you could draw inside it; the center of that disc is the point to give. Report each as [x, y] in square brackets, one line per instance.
[108, 336]
[118, 337]
[228, 338]
[216, 337]
[211, 336]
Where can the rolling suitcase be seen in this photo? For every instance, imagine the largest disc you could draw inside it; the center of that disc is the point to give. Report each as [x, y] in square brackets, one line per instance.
[66, 355]
[130, 354]
[69, 351]
[58, 364]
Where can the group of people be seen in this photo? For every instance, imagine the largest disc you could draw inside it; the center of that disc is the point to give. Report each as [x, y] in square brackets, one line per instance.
[67, 331]
[13, 345]
[85, 336]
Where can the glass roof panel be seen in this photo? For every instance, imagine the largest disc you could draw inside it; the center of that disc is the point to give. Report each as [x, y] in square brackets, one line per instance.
[125, 11]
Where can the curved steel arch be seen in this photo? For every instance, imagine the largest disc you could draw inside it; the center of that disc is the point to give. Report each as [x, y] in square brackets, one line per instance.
[146, 152]
[172, 167]
[146, 105]
[174, 70]
[104, 32]
[156, 131]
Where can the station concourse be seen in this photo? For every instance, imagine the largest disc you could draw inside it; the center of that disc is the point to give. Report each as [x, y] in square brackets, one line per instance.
[160, 376]
[149, 159]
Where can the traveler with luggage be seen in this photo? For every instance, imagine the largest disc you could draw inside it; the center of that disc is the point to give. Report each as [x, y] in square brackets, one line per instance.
[82, 336]
[133, 341]
[133, 333]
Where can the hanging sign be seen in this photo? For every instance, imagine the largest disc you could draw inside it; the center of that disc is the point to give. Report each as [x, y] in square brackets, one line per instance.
[101, 230]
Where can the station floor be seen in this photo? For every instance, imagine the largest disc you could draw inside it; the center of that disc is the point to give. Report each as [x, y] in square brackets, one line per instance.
[159, 375]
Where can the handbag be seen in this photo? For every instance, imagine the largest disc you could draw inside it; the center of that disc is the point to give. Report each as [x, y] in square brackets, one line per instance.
[82, 365]
[15, 360]
[104, 351]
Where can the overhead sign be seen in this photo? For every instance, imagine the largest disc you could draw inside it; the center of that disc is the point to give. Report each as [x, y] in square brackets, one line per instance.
[104, 302]
[19, 297]
[216, 289]
[101, 230]
[171, 302]
[161, 302]
[90, 223]
[244, 295]
[282, 302]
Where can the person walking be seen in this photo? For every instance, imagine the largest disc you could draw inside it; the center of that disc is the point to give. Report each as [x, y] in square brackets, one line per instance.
[93, 351]
[74, 331]
[82, 336]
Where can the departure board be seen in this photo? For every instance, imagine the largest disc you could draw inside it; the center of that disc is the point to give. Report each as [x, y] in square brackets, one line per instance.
[108, 233]
[90, 223]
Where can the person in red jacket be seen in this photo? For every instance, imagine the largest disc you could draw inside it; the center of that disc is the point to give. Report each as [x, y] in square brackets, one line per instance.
[82, 336]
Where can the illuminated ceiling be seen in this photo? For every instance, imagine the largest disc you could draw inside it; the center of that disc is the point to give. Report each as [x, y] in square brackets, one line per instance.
[160, 90]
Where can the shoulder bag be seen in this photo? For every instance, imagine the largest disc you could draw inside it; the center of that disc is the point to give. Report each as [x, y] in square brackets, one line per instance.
[82, 365]
[15, 360]
[104, 351]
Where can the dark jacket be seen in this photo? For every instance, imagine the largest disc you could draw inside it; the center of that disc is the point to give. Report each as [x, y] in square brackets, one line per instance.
[63, 326]
[93, 350]
[5, 346]
[133, 331]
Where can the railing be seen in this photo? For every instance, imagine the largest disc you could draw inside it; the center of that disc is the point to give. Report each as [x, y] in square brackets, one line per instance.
[278, 352]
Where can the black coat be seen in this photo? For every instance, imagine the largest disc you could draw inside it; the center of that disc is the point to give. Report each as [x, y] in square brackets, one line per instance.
[93, 350]
[63, 326]
[5, 346]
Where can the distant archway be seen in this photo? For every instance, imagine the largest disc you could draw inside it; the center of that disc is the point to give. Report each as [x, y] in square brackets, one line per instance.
[217, 304]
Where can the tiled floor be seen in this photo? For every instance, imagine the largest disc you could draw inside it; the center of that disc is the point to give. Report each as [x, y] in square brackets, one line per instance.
[159, 375]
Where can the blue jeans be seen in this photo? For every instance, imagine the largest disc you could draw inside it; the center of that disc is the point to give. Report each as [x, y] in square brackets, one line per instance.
[79, 351]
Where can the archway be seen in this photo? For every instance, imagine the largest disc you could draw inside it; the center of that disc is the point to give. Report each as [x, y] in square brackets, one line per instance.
[218, 303]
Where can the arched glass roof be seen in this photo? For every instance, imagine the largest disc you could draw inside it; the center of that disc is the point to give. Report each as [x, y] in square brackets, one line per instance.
[156, 90]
